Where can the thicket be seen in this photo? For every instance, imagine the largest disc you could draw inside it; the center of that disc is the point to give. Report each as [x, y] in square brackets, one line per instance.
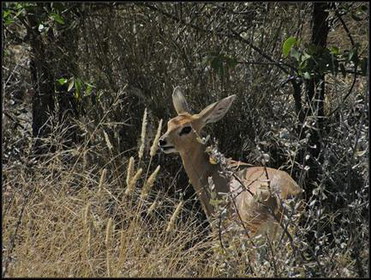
[77, 79]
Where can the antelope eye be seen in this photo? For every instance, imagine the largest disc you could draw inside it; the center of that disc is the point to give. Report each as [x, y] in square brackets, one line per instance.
[185, 130]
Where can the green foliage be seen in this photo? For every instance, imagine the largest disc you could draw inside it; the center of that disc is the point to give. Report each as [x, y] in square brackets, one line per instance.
[13, 11]
[47, 17]
[287, 45]
[62, 81]
[56, 17]
[311, 60]
[78, 87]
[7, 17]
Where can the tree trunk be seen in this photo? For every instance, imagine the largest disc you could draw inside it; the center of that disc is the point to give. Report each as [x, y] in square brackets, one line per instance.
[42, 81]
[52, 57]
[315, 95]
[314, 111]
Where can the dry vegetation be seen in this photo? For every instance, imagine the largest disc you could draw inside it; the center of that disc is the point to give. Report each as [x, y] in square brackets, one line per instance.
[101, 201]
[84, 221]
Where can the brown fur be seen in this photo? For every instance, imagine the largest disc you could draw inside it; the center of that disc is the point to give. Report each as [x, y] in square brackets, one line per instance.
[263, 188]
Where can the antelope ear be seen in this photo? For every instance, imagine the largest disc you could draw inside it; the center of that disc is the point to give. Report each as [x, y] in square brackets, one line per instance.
[179, 101]
[216, 111]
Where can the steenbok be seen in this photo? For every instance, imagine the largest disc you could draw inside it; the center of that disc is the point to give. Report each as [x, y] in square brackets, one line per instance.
[255, 195]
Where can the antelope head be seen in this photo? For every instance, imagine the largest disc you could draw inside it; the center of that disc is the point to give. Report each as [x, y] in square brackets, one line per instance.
[183, 130]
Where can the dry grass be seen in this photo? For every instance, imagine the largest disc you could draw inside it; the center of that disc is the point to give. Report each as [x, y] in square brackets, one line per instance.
[69, 228]
[76, 220]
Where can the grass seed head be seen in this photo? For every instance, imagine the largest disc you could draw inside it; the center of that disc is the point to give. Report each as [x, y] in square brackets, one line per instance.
[101, 180]
[109, 231]
[130, 171]
[154, 146]
[87, 224]
[143, 134]
[170, 226]
[130, 188]
[108, 240]
[108, 142]
[148, 185]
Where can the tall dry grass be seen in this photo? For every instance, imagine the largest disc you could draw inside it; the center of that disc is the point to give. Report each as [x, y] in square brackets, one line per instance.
[60, 220]
[67, 214]
[71, 218]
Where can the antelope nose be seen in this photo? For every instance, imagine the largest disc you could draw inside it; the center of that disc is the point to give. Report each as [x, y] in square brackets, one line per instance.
[162, 142]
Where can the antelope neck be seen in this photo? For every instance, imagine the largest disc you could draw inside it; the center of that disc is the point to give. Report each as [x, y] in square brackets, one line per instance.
[198, 168]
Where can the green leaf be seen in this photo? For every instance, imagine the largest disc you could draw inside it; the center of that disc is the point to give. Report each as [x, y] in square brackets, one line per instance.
[334, 50]
[8, 21]
[305, 56]
[287, 46]
[57, 18]
[89, 89]
[62, 81]
[295, 54]
[6, 13]
[19, 6]
[78, 86]
[76, 95]
[306, 75]
[19, 12]
[7, 17]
